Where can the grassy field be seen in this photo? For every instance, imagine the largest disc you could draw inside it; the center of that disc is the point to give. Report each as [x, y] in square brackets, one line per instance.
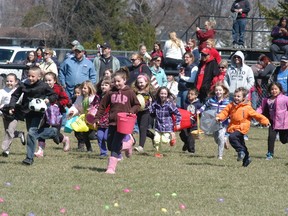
[202, 184]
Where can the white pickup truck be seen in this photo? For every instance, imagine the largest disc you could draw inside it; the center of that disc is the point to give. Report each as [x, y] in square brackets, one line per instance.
[13, 55]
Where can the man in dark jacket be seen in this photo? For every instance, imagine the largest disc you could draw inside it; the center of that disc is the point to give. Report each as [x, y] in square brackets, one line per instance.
[207, 70]
[240, 10]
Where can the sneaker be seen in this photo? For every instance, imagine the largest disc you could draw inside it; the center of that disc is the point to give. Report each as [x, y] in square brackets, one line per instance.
[241, 155]
[246, 137]
[246, 162]
[28, 161]
[5, 153]
[39, 153]
[158, 155]
[220, 157]
[22, 138]
[269, 156]
[66, 144]
[120, 157]
[139, 149]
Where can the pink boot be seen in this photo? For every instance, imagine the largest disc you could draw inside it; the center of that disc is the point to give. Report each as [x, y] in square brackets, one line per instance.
[66, 144]
[112, 163]
[127, 145]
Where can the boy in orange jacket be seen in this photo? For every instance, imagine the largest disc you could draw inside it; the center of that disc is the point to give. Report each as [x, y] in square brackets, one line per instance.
[240, 113]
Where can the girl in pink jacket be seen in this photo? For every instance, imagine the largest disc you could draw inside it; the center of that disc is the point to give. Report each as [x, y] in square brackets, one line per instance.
[275, 108]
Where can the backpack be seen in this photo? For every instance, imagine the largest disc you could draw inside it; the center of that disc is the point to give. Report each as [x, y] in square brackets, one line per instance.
[53, 115]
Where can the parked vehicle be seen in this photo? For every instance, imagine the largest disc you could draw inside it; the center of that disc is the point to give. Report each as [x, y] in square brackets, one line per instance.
[13, 55]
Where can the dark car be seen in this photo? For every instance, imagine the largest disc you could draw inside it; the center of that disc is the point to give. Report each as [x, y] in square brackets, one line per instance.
[124, 61]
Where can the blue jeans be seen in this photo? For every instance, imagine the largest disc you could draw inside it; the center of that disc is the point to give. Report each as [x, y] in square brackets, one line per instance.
[238, 31]
[32, 124]
[275, 49]
[102, 134]
[181, 97]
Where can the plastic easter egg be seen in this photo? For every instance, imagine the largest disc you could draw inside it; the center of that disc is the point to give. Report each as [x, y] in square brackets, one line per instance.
[126, 190]
[157, 194]
[31, 214]
[7, 184]
[63, 210]
[182, 206]
[106, 207]
[4, 214]
[164, 210]
[116, 205]
[173, 194]
[221, 200]
[1, 200]
[77, 187]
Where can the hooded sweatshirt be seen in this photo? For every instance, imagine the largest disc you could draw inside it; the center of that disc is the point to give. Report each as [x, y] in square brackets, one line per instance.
[239, 75]
[123, 100]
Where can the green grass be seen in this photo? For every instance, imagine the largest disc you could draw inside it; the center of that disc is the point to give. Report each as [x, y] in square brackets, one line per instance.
[204, 184]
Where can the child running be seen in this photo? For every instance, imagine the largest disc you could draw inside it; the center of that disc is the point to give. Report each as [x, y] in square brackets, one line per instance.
[34, 87]
[81, 106]
[51, 79]
[240, 113]
[121, 99]
[143, 88]
[163, 109]
[275, 108]
[218, 101]
[9, 122]
[103, 87]
[192, 104]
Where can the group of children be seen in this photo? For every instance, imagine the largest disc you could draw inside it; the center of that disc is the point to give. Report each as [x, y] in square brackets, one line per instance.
[113, 96]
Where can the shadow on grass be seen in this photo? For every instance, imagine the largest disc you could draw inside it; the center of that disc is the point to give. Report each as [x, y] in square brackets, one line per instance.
[89, 168]
[207, 164]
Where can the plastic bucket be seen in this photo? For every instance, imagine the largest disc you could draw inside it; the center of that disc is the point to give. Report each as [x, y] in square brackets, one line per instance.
[125, 123]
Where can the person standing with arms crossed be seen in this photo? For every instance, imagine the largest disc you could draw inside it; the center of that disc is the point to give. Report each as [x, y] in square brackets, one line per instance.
[240, 10]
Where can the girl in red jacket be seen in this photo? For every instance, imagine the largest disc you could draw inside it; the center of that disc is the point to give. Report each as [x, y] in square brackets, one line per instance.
[51, 79]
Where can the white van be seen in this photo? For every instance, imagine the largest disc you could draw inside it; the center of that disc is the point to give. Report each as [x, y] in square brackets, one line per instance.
[13, 55]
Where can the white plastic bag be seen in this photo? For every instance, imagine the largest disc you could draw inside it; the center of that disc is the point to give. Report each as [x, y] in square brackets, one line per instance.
[208, 122]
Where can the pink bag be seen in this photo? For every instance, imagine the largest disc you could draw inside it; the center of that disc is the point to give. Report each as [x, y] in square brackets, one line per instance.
[53, 115]
[90, 116]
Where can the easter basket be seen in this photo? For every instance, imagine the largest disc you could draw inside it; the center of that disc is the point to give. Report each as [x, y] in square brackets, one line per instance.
[198, 134]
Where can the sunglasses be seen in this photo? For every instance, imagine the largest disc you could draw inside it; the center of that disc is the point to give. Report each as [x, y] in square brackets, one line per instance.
[46, 53]
[133, 60]
[221, 67]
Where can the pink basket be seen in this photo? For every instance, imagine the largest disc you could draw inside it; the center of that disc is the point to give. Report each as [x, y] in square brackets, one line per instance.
[125, 123]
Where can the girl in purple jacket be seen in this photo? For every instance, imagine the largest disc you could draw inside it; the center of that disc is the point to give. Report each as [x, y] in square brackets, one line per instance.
[275, 108]
[163, 109]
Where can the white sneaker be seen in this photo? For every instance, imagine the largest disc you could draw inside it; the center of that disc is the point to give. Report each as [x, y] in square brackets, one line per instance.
[22, 138]
[220, 158]
[39, 153]
[139, 149]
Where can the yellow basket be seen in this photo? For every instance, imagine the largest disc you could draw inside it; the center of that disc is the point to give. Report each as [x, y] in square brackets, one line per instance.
[80, 125]
[198, 134]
